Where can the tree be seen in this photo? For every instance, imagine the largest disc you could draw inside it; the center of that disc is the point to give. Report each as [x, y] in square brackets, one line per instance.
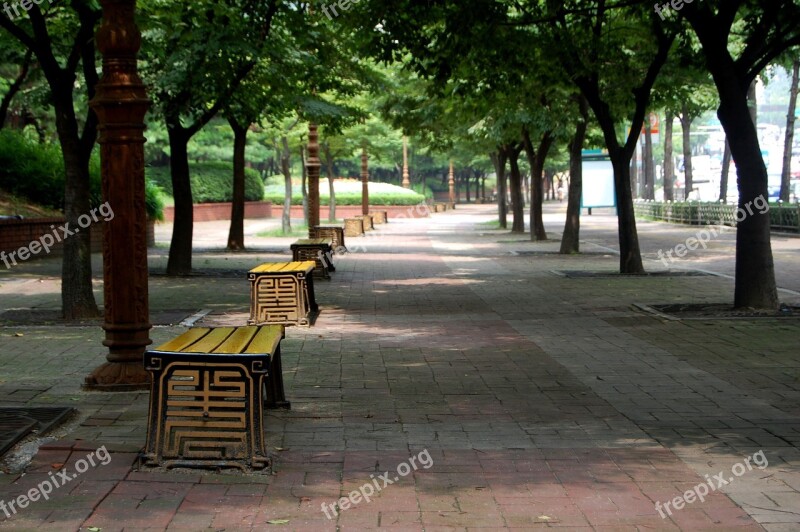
[786, 171]
[62, 42]
[765, 30]
[669, 158]
[196, 57]
[570, 240]
[615, 64]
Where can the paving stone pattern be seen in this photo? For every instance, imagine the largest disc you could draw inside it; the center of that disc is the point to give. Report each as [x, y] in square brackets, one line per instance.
[543, 401]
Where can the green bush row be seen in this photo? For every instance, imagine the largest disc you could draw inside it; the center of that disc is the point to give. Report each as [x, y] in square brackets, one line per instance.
[349, 198]
[212, 181]
[36, 172]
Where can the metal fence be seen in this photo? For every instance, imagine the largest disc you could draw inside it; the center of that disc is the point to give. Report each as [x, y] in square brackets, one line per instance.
[784, 217]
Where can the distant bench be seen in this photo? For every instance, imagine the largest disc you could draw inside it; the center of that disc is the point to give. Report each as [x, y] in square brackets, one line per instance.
[282, 293]
[317, 249]
[206, 398]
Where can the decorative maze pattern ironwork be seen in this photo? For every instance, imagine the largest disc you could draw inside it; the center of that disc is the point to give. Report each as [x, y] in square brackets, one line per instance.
[206, 400]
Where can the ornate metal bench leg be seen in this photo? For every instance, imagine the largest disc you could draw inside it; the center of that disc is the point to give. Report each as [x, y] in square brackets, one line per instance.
[275, 396]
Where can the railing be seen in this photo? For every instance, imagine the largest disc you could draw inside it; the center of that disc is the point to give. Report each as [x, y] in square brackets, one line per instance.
[783, 217]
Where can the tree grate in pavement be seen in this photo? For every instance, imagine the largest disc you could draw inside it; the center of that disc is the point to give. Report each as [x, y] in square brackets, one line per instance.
[18, 422]
[716, 311]
[589, 274]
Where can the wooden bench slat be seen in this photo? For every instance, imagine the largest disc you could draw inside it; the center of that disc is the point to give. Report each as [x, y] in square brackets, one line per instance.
[267, 340]
[236, 342]
[211, 341]
[183, 341]
[287, 267]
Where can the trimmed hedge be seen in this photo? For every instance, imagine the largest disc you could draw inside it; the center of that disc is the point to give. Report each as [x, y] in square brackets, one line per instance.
[212, 181]
[36, 172]
[348, 192]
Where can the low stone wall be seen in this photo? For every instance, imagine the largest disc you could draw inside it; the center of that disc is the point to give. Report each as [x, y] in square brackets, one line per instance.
[15, 234]
[209, 212]
[350, 211]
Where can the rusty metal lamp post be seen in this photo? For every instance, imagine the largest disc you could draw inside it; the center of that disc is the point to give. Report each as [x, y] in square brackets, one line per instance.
[452, 184]
[120, 104]
[364, 181]
[313, 166]
[406, 180]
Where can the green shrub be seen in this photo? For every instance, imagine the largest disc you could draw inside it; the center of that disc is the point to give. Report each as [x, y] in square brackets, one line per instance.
[212, 182]
[33, 171]
[348, 192]
[36, 172]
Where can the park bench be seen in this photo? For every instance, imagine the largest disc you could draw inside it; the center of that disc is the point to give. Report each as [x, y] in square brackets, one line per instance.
[333, 232]
[282, 293]
[317, 249]
[380, 217]
[207, 396]
[353, 227]
[366, 220]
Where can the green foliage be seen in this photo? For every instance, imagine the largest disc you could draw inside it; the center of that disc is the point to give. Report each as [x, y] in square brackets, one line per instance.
[212, 182]
[349, 193]
[36, 171]
[31, 170]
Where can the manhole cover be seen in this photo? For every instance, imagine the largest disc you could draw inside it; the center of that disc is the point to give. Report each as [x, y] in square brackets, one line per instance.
[18, 422]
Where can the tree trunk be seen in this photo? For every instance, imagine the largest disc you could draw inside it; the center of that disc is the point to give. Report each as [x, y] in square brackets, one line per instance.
[786, 172]
[630, 255]
[527, 187]
[669, 158]
[331, 192]
[15, 87]
[755, 270]
[236, 232]
[517, 206]
[304, 180]
[465, 178]
[499, 160]
[686, 126]
[723, 178]
[180, 249]
[570, 240]
[536, 161]
[77, 298]
[286, 169]
[649, 164]
[634, 171]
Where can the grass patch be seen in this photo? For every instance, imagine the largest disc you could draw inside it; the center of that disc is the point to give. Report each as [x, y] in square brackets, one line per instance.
[492, 224]
[298, 231]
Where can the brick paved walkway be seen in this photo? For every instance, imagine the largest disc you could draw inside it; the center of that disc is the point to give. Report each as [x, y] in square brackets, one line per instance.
[542, 401]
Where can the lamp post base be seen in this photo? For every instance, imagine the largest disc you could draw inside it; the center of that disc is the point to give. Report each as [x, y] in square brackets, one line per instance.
[118, 377]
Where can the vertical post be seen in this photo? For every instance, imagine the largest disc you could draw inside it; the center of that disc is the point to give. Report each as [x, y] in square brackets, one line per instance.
[120, 103]
[452, 184]
[364, 181]
[406, 180]
[313, 166]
